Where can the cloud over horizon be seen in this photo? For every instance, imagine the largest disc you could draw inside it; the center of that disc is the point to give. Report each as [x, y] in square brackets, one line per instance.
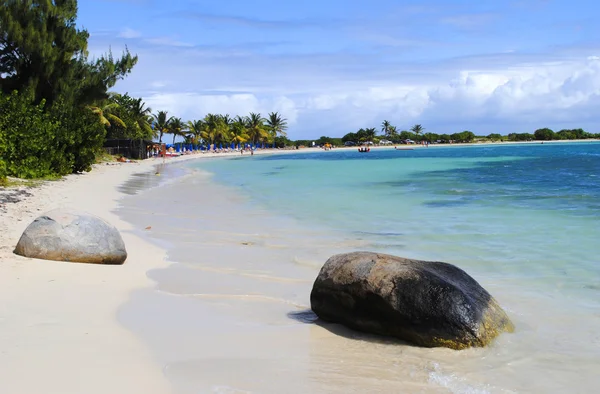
[478, 70]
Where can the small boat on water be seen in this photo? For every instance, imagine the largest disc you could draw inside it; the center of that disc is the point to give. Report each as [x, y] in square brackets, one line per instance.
[403, 148]
[364, 149]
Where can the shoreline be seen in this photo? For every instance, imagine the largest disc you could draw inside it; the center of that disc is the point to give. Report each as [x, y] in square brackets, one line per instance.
[59, 321]
[68, 312]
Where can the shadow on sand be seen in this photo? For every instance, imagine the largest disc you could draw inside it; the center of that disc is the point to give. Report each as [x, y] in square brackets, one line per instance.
[307, 316]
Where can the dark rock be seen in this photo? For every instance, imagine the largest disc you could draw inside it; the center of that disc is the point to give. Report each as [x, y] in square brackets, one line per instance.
[68, 235]
[427, 303]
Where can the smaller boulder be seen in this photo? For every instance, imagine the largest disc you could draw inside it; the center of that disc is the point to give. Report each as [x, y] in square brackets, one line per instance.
[426, 303]
[68, 235]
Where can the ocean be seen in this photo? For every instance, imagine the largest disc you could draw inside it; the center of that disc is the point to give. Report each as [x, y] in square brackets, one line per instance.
[247, 236]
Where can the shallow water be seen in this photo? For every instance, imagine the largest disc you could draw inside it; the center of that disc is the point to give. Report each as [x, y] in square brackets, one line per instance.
[231, 315]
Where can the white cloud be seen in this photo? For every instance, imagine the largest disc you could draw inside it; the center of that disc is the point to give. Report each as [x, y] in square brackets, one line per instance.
[498, 94]
[129, 33]
[167, 41]
[196, 106]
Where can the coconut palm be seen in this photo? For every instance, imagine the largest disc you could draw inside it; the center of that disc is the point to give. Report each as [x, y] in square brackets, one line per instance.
[238, 130]
[177, 128]
[255, 126]
[105, 112]
[385, 127]
[370, 133]
[162, 122]
[195, 129]
[215, 128]
[393, 132]
[276, 124]
[417, 129]
[142, 117]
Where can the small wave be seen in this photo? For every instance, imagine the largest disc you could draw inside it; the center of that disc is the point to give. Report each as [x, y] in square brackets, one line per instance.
[452, 382]
[306, 262]
[382, 234]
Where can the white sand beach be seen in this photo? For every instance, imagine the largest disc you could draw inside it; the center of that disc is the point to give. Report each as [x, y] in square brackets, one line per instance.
[61, 329]
[58, 327]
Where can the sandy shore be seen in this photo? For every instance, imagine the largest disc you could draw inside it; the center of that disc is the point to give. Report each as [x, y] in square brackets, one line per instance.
[58, 327]
[58, 321]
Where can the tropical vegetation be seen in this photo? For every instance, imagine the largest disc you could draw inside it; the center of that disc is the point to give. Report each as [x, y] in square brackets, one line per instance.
[57, 109]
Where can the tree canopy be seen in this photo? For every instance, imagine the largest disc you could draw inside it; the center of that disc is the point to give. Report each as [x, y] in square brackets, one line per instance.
[42, 50]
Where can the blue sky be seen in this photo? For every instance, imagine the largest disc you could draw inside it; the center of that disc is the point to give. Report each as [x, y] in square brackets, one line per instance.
[333, 66]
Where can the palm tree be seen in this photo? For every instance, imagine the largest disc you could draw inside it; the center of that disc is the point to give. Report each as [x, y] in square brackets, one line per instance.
[255, 125]
[215, 128]
[176, 127]
[162, 122]
[238, 130]
[277, 125]
[417, 129]
[142, 117]
[370, 133]
[195, 129]
[105, 112]
[385, 127]
[393, 132]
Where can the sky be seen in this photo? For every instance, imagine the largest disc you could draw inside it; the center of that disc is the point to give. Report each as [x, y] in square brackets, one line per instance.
[333, 66]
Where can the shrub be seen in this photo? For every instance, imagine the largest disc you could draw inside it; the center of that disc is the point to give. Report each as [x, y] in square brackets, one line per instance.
[37, 143]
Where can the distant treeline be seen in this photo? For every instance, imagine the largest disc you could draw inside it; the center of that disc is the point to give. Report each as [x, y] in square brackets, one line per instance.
[418, 134]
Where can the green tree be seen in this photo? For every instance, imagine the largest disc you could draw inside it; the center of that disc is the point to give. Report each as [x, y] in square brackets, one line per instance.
[276, 125]
[495, 137]
[41, 49]
[177, 128]
[162, 124]
[370, 134]
[544, 134]
[393, 133]
[385, 128]
[239, 134]
[106, 112]
[350, 137]
[256, 128]
[417, 129]
[195, 129]
[141, 117]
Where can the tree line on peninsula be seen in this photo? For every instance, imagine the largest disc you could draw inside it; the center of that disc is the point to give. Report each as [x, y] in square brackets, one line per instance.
[417, 134]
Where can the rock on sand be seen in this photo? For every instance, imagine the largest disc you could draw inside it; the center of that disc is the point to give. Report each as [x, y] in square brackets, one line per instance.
[426, 303]
[68, 235]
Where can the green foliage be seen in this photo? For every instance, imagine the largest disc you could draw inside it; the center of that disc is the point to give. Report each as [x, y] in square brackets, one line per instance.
[544, 134]
[135, 117]
[495, 137]
[41, 49]
[520, 137]
[350, 137]
[38, 143]
[465, 136]
[81, 135]
[283, 141]
[30, 149]
[276, 125]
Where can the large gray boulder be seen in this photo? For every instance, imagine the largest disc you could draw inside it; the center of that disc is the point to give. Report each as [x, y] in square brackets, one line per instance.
[68, 235]
[426, 303]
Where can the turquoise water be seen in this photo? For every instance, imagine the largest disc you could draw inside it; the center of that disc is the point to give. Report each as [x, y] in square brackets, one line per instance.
[246, 243]
[527, 212]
